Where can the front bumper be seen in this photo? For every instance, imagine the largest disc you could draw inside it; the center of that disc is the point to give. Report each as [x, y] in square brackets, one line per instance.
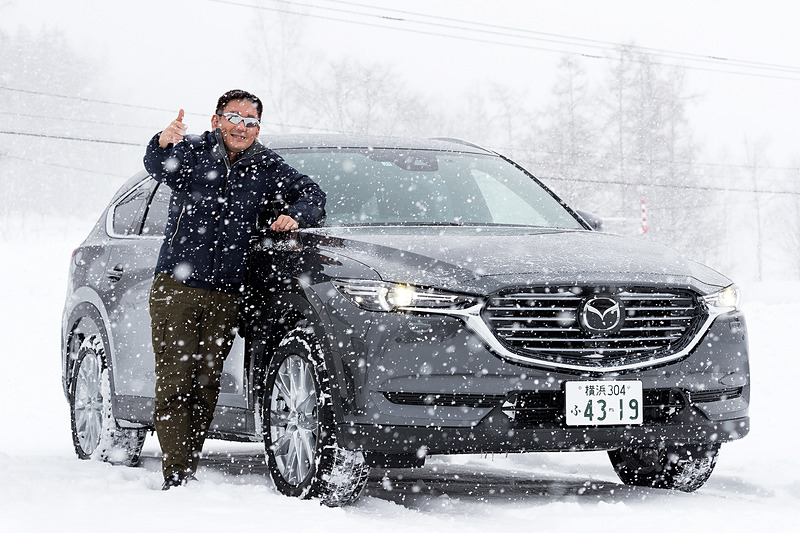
[410, 382]
[497, 434]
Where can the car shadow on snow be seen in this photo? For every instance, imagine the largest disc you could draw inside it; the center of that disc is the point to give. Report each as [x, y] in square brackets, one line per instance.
[420, 487]
[415, 487]
[426, 487]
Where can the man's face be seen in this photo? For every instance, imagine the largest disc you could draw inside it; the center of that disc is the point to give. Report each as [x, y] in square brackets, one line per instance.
[237, 137]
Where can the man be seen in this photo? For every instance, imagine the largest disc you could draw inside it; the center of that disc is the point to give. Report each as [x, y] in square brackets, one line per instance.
[220, 181]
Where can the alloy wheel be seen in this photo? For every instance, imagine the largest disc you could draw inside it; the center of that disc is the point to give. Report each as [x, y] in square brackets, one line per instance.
[293, 419]
[88, 403]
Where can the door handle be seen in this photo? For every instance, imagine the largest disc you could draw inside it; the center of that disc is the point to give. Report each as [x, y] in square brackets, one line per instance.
[115, 273]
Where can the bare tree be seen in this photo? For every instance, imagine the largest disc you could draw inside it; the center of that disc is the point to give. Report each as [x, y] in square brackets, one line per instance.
[349, 96]
[282, 64]
[569, 135]
[649, 140]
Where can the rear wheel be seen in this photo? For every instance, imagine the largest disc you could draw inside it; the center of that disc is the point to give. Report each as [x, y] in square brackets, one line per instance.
[95, 432]
[304, 458]
[684, 467]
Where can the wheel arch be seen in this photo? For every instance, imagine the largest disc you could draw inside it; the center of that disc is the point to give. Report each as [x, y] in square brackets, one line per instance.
[84, 320]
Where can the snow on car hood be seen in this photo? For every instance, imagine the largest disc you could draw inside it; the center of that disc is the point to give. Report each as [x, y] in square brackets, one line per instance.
[486, 258]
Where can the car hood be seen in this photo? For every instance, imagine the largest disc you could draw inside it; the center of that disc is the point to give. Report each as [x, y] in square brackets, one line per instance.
[484, 259]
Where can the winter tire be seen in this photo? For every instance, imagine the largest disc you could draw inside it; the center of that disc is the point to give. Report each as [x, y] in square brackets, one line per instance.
[678, 467]
[95, 432]
[303, 456]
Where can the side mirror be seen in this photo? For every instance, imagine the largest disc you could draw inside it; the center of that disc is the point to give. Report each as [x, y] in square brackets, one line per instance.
[594, 221]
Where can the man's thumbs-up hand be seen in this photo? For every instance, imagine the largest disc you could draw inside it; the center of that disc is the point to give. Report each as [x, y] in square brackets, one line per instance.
[174, 132]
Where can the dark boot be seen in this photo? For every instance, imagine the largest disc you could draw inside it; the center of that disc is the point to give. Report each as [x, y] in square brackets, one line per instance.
[175, 479]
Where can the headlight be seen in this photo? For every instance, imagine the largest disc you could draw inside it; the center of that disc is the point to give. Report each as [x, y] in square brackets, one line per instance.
[384, 296]
[723, 301]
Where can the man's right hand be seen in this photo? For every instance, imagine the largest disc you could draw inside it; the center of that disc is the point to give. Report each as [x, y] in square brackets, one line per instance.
[174, 132]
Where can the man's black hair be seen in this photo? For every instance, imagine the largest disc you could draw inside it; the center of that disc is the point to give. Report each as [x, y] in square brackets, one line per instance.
[238, 94]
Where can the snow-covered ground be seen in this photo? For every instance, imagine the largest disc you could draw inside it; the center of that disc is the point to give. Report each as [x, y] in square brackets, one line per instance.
[44, 487]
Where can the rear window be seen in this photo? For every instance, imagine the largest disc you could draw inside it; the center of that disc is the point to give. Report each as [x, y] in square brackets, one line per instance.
[129, 210]
[155, 221]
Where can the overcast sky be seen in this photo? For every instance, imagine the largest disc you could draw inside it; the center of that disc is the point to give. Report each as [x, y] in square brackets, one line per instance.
[183, 53]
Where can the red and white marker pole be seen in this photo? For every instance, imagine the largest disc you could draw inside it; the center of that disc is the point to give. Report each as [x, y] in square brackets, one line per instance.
[644, 219]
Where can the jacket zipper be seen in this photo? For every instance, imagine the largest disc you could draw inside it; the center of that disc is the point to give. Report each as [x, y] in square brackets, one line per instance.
[177, 225]
[228, 177]
[229, 168]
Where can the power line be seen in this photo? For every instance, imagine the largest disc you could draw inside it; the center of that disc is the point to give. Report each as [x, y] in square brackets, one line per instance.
[84, 170]
[136, 106]
[383, 19]
[567, 39]
[69, 138]
[363, 23]
[703, 207]
[64, 119]
[84, 99]
[527, 150]
[669, 186]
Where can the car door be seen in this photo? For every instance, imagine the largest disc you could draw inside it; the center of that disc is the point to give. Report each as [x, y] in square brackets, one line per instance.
[129, 275]
[131, 267]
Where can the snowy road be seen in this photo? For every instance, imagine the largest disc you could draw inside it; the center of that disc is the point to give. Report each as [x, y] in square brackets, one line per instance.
[44, 487]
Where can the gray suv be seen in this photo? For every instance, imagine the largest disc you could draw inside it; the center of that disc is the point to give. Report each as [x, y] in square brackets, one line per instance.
[448, 303]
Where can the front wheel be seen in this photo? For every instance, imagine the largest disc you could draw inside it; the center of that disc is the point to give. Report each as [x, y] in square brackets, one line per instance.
[684, 467]
[95, 432]
[303, 456]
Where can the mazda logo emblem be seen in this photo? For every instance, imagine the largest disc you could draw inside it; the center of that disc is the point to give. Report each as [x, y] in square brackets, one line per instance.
[601, 314]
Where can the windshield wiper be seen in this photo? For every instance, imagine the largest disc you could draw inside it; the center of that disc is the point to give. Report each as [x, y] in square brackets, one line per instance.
[379, 224]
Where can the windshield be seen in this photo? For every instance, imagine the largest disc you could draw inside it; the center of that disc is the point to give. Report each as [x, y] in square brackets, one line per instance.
[387, 187]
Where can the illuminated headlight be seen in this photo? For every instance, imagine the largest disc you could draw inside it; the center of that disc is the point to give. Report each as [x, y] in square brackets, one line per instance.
[723, 301]
[384, 296]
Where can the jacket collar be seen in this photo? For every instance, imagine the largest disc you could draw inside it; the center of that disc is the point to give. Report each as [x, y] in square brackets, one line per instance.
[218, 147]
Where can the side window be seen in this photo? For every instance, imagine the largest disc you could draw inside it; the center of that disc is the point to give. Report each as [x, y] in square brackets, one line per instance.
[128, 212]
[155, 221]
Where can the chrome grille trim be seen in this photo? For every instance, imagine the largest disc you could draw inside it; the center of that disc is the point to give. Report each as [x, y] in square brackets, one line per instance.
[656, 325]
[513, 317]
[475, 322]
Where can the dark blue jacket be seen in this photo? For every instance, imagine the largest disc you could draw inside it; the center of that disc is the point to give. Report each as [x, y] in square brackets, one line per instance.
[215, 205]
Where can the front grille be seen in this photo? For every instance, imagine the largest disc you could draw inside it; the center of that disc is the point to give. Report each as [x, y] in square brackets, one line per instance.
[546, 408]
[545, 323]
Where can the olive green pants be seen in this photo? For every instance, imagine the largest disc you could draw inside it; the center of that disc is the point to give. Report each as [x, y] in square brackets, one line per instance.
[193, 330]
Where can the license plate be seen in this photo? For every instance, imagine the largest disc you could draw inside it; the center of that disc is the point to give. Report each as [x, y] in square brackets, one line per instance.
[603, 403]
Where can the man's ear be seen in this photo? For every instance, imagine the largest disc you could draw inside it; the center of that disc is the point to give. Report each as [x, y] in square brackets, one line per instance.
[214, 122]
